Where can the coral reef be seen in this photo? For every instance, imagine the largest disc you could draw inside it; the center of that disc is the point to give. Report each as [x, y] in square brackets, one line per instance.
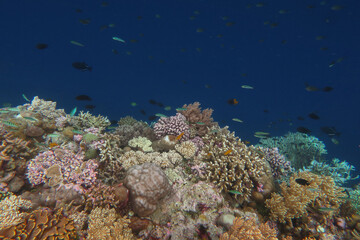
[174, 125]
[46, 108]
[87, 120]
[187, 149]
[279, 166]
[10, 211]
[148, 184]
[141, 143]
[299, 148]
[200, 120]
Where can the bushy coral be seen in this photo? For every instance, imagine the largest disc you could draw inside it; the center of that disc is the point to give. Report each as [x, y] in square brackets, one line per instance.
[279, 166]
[318, 192]
[10, 213]
[174, 125]
[187, 149]
[299, 148]
[46, 108]
[61, 166]
[142, 143]
[87, 120]
[148, 184]
[248, 229]
[231, 165]
[339, 171]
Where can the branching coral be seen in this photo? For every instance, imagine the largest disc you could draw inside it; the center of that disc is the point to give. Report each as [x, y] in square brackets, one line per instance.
[87, 120]
[42, 224]
[104, 224]
[174, 125]
[10, 211]
[319, 192]
[129, 130]
[186, 149]
[231, 165]
[200, 120]
[142, 143]
[248, 229]
[299, 148]
[279, 166]
[45, 108]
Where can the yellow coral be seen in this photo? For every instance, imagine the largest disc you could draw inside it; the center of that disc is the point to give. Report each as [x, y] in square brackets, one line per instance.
[321, 192]
[187, 149]
[248, 229]
[141, 142]
[9, 211]
[104, 224]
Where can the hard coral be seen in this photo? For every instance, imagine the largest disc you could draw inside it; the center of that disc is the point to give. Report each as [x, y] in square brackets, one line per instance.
[248, 229]
[199, 120]
[148, 184]
[10, 211]
[174, 125]
[42, 224]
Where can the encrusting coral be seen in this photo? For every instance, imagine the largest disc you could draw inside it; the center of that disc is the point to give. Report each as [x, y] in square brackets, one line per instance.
[318, 192]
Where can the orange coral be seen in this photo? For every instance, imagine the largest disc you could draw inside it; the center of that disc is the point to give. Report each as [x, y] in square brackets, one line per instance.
[248, 229]
[42, 224]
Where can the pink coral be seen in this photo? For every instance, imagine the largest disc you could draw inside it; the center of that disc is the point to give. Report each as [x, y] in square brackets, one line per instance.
[173, 125]
[279, 166]
[73, 168]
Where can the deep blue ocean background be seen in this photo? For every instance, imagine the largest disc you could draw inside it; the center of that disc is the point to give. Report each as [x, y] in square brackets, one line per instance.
[179, 52]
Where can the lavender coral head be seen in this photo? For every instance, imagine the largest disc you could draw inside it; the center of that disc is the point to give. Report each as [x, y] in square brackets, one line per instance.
[279, 166]
[174, 125]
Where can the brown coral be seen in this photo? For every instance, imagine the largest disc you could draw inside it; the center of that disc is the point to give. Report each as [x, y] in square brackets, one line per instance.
[199, 120]
[42, 224]
[248, 229]
[321, 192]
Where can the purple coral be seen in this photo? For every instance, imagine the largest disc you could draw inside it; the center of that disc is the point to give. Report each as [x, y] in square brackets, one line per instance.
[73, 168]
[279, 166]
[174, 125]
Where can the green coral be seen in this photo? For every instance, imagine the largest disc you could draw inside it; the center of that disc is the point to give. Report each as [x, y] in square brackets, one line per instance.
[299, 148]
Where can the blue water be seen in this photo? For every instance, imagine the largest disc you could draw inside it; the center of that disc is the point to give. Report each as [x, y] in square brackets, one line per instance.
[172, 63]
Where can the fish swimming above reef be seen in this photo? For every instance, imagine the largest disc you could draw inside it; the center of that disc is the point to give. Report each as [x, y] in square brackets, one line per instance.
[81, 66]
[330, 131]
[233, 101]
[327, 89]
[303, 130]
[90, 107]
[314, 116]
[83, 98]
[302, 181]
[41, 46]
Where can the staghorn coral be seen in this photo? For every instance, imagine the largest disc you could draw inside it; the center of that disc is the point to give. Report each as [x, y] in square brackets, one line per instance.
[187, 149]
[142, 143]
[104, 224]
[148, 184]
[42, 224]
[299, 148]
[61, 166]
[10, 211]
[248, 229]
[174, 126]
[165, 159]
[199, 120]
[321, 192]
[87, 120]
[231, 165]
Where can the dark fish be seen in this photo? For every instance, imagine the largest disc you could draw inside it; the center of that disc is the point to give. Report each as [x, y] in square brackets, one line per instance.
[115, 51]
[152, 117]
[152, 101]
[83, 98]
[310, 88]
[78, 10]
[90, 107]
[229, 24]
[303, 182]
[330, 131]
[314, 116]
[303, 130]
[233, 101]
[41, 46]
[113, 122]
[104, 4]
[81, 66]
[160, 104]
[142, 111]
[85, 21]
[300, 118]
[266, 111]
[327, 89]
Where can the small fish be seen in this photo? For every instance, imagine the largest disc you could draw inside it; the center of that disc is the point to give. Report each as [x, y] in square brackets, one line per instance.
[160, 115]
[152, 118]
[178, 137]
[167, 108]
[53, 135]
[303, 130]
[246, 142]
[325, 209]
[85, 21]
[302, 181]
[227, 152]
[181, 109]
[314, 116]
[133, 104]
[335, 141]
[233, 101]
[311, 88]
[247, 87]
[25, 98]
[119, 39]
[31, 119]
[312, 189]
[51, 145]
[237, 120]
[200, 123]
[234, 192]
[14, 109]
[90, 107]
[72, 113]
[261, 136]
[81, 66]
[8, 123]
[83, 98]
[4, 111]
[77, 43]
[327, 89]
[262, 133]
[330, 131]
[76, 131]
[41, 46]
